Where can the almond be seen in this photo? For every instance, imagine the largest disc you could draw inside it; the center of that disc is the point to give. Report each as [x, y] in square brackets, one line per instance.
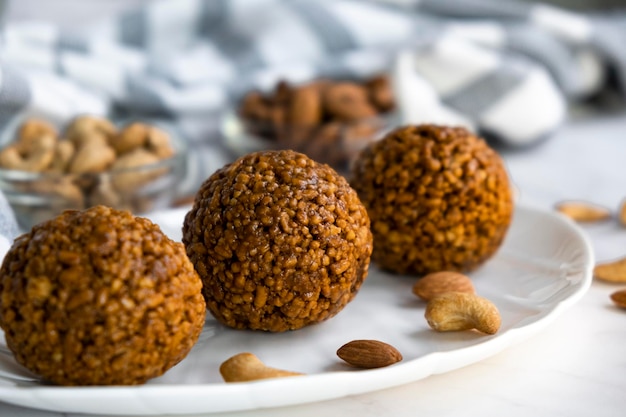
[619, 298]
[369, 354]
[581, 211]
[436, 283]
[614, 271]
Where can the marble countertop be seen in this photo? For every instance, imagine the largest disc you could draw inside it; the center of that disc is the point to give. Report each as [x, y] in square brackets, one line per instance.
[576, 365]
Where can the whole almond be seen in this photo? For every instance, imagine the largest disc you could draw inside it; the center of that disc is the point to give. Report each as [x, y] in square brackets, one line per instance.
[581, 211]
[436, 283]
[614, 271]
[305, 107]
[622, 213]
[456, 311]
[619, 298]
[369, 354]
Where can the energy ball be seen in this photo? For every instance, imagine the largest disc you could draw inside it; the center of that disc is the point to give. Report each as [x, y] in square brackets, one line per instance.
[438, 198]
[279, 241]
[99, 297]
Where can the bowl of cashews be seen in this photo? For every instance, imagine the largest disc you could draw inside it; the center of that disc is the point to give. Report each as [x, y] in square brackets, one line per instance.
[46, 169]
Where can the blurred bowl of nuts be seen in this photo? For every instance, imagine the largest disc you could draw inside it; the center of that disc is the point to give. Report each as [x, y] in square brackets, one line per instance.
[45, 169]
[328, 120]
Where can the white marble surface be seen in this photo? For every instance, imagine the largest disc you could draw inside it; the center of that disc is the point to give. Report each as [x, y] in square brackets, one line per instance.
[576, 366]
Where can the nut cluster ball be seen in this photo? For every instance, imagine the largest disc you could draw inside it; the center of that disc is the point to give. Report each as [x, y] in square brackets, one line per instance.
[99, 297]
[438, 198]
[279, 241]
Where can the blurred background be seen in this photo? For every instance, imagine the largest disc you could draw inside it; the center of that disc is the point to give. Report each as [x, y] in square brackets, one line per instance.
[226, 77]
[68, 12]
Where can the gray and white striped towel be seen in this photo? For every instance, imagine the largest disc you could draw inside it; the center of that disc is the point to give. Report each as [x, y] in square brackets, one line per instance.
[508, 69]
[8, 226]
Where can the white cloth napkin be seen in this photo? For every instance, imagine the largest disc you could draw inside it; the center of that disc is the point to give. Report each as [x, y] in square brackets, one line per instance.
[505, 68]
[8, 226]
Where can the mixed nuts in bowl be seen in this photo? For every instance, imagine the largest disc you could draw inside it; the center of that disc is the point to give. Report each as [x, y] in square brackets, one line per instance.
[330, 121]
[45, 170]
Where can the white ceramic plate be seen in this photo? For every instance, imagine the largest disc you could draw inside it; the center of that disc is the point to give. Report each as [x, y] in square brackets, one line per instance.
[544, 266]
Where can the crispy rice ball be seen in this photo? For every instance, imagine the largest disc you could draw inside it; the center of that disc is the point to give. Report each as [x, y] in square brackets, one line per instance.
[280, 242]
[99, 297]
[438, 198]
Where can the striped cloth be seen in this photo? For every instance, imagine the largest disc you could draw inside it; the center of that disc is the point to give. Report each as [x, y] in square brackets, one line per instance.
[8, 226]
[507, 69]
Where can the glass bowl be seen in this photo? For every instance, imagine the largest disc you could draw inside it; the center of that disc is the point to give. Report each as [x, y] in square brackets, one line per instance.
[328, 119]
[333, 143]
[39, 196]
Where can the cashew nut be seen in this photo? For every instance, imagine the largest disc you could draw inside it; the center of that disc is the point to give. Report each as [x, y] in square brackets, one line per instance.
[247, 367]
[455, 311]
[34, 156]
[90, 145]
[125, 181]
[131, 137]
[582, 211]
[34, 128]
[86, 129]
[104, 194]
[63, 152]
[92, 157]
[138, 135]
[68, 195]
[159, 143]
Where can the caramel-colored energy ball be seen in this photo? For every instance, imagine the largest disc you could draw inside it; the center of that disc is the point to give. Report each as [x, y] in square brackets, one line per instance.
[438, 198]
[279, 241]
[99, 297]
